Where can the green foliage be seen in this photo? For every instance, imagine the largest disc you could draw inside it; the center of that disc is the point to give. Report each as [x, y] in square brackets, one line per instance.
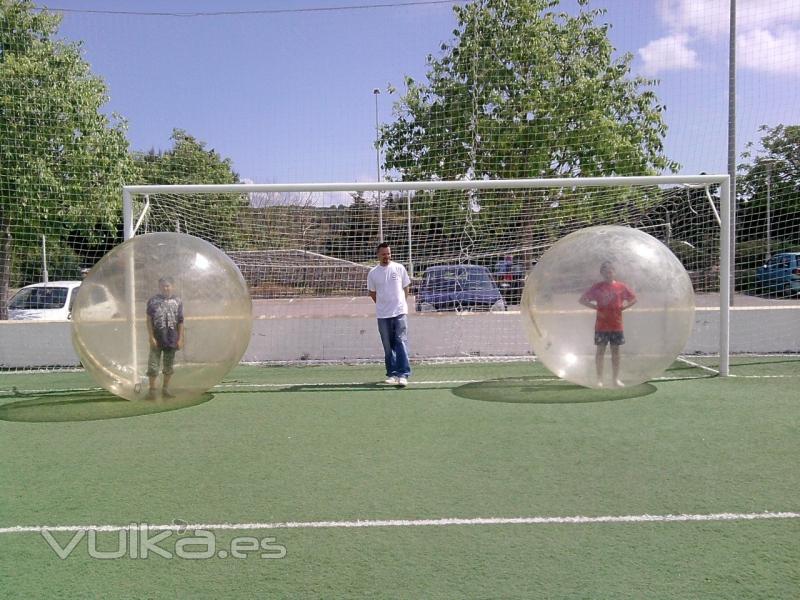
[187, 162]
[63, 263]
[774, 176]
[216, 217]
[63, 160]
[523, 91]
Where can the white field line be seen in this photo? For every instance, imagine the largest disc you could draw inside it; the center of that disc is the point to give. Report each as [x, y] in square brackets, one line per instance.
[445, 382]
[748, 308]
[691, 363]
[345, 383]
[576, 520]
[26, 392]
[412, 382]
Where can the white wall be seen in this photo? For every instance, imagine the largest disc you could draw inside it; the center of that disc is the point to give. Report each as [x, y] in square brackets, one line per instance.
[757, 330]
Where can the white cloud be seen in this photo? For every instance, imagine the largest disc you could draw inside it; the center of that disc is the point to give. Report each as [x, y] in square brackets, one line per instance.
[668, 53]
[763, 50]
[697, 17]
[758, 14]
[710, 17]
[768, 34]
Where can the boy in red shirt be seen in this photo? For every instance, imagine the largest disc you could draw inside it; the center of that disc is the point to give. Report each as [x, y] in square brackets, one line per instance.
[609, 298]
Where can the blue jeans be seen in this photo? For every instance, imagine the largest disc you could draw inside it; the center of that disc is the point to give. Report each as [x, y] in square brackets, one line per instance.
[394, 336]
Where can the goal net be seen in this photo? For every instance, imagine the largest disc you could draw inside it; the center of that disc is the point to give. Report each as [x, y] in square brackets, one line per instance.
[305, 251]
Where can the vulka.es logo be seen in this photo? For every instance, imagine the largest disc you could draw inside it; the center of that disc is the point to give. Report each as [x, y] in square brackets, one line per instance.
[141, 540]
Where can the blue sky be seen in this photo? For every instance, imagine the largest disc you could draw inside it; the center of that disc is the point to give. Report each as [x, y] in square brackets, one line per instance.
[288, 96]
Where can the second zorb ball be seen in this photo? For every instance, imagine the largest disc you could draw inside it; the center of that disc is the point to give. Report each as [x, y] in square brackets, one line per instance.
[138, 299]
[574, 307]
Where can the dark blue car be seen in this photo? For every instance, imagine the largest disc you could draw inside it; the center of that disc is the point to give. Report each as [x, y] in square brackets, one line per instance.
[781, 274]
[458, 287]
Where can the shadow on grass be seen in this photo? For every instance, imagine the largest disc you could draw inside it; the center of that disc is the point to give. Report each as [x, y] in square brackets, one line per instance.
[545, 390]
[88, 406]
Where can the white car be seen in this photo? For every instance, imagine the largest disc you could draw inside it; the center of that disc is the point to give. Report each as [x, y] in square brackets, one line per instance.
[50, 301]
[53, 301]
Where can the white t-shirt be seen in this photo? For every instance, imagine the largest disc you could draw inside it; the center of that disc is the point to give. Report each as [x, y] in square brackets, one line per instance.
[388, 283]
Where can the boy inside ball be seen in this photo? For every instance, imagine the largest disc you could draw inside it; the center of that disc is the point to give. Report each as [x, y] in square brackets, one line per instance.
[165, 328]
[608, 298]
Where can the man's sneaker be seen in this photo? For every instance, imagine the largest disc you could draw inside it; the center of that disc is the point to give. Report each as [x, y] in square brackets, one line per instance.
[402, 381]
[618, 383]
[391, 381]
[151, 395]
[165, 393]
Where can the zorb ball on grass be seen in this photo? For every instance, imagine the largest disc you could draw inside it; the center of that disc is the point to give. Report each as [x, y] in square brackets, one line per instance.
[572, 300]
[126, 317]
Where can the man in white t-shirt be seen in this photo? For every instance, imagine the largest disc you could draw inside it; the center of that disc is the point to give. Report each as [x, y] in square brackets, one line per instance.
[388, 284]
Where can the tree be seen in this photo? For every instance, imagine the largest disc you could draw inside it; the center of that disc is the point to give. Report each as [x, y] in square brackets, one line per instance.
[523, 91]
[769, 193]
[213, 217]
[62, 161]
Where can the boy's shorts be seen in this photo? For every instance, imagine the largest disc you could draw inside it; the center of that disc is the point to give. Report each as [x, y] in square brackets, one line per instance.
[154, 361]
[615, 338]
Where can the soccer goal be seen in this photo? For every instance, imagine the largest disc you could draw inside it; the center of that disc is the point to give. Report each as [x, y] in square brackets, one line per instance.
[305, 251]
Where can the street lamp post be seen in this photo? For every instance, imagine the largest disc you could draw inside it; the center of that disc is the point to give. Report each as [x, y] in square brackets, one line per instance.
[376, 92]
[408, 222]
[769, 208]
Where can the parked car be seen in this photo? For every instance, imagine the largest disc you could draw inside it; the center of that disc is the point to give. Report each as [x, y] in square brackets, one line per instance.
[458, 287]
[781, 274]
[53, 301]
[50, 301]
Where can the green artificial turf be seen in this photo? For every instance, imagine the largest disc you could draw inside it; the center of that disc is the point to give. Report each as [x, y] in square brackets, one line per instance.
[284, 444]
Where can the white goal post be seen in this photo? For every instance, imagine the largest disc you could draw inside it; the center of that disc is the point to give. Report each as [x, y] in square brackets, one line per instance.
[137, 206]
